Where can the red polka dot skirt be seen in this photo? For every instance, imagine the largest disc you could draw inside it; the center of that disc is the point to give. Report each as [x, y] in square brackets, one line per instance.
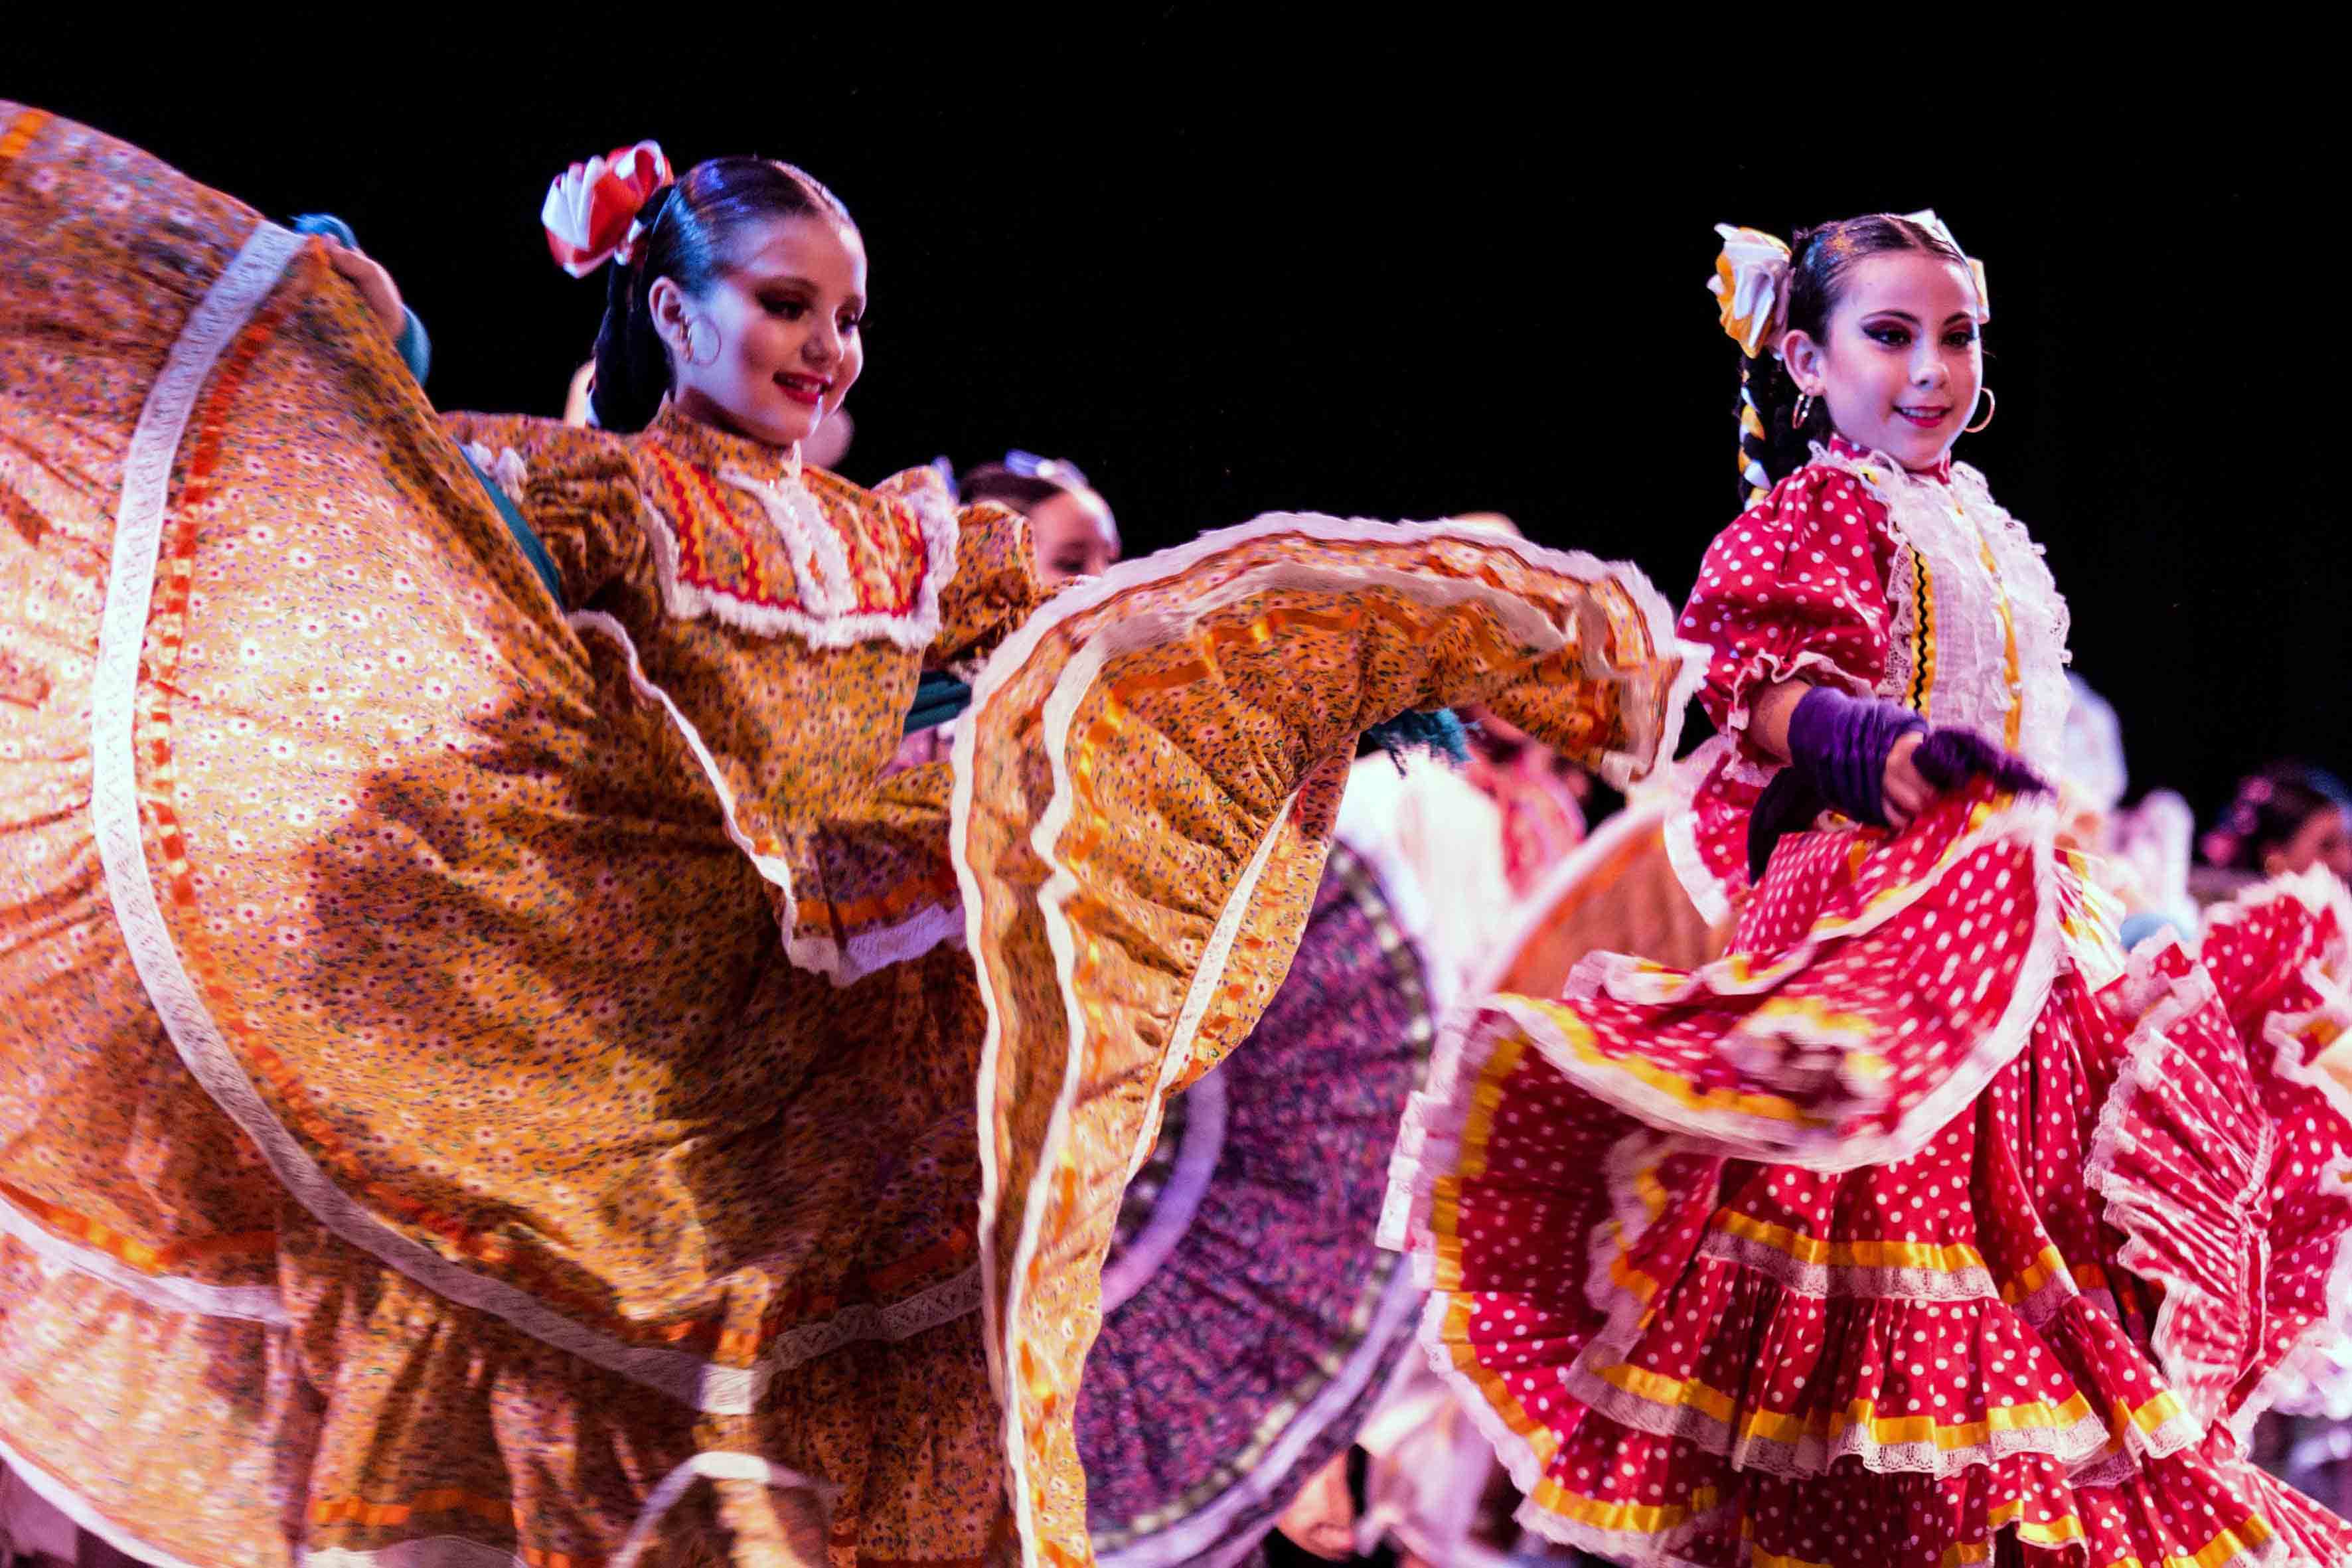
[1921, 1216]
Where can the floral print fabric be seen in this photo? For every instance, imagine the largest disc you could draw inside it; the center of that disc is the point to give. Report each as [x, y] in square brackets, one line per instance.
[487, 1072]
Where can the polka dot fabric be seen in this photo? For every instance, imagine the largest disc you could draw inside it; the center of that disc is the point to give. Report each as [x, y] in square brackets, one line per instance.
[1795, 589]
[1920, 1218]
[1917, 588]
[2281, 956]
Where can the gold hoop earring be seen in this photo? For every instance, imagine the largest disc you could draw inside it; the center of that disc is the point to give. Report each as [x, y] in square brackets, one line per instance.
[1992, 407]
[691, 350]
[1804, 411]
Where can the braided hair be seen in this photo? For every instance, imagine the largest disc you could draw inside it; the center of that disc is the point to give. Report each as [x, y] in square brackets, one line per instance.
[690, 230]
[1771, 445]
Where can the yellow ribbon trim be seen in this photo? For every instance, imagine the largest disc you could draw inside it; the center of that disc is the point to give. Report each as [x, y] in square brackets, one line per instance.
[1640, 1518]
[1578, 1040]
[2015, 670]
[1953, 1257]
[1823, 1018]
[1774, 1426]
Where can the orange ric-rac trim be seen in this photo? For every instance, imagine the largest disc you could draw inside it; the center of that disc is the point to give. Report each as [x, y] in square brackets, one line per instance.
[146, 1257]
[20, 133]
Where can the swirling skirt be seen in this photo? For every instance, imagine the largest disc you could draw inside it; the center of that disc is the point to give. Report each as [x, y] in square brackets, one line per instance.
[414, 1143]
[1919, 1219]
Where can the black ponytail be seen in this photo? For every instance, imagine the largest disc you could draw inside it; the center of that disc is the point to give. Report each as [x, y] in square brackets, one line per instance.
[632, 361]
[1771, 445]
[687, 232]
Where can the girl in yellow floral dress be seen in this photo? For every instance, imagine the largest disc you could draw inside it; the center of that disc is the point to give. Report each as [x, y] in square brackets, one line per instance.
[488, 1069]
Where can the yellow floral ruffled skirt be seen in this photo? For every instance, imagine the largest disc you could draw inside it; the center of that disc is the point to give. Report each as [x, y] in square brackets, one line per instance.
[415, 1142]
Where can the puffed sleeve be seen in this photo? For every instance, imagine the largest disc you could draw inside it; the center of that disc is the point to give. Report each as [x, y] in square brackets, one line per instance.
[577, 491]
[1796, 588]
[996, 585]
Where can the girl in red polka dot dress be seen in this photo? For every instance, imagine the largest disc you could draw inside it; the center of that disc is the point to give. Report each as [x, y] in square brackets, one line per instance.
[1926, 1227]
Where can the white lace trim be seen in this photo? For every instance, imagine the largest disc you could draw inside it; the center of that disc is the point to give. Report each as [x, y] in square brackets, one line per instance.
[460, 1551]
[718, 1465]
[2144, 1065]
[2313, 1376]
[1903, 621]
[1197, 1537]
[2077, 1442]
[1825, 1281]
[251, 1303]
[822, 577]
[114, 810]
[1823, 670]
[1180, 1200]
[843, 964]
[1627, 1548]
[1618, 768]
[1950, 526]
[1709, 894]
[2040, 1308]
[889, 1321]
[81, 1511]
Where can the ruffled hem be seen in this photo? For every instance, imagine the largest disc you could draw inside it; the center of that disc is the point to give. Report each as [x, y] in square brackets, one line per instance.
[1715, 893]
[1790, 1074]
[1660, 1334]
[441, 1429]
[881, 939]
[1253, 1374]
[2282, 955]
[1765, 669]
[1193, 694]
[2199, 1241]
[1679, 1331]
[163, 1432]
[1231, 1526]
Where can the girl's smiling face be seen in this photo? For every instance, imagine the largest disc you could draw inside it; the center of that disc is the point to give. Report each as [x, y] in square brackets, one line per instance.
[1901, 361]
[774, 345]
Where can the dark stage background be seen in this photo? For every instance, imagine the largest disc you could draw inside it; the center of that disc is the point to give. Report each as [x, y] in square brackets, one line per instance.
[1407, 281]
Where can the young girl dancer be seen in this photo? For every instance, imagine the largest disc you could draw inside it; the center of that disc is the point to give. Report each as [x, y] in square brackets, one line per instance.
[2286, 817]
[488, 1068]
[1928, 1228]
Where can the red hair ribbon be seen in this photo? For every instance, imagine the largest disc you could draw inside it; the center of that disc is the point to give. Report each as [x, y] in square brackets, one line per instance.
[591, 210]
